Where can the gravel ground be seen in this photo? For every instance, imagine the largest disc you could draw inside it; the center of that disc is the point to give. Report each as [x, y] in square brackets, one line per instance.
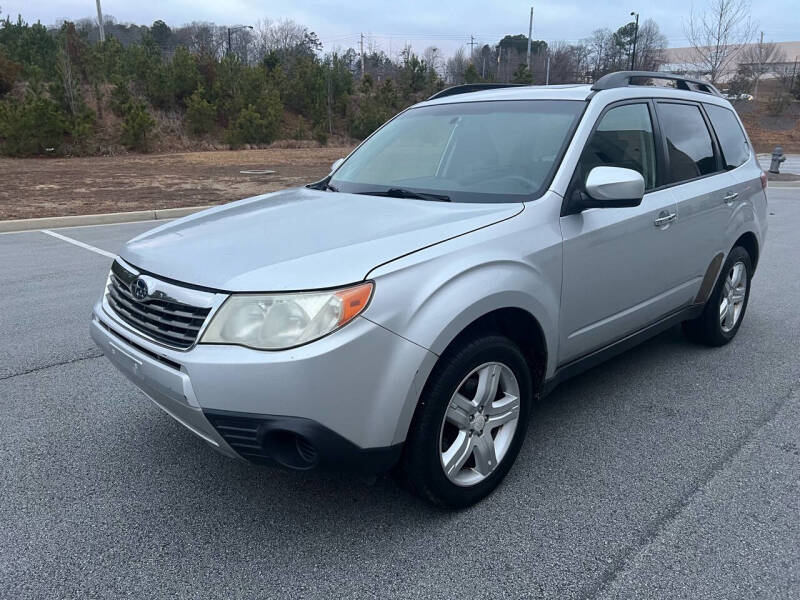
[672, 471]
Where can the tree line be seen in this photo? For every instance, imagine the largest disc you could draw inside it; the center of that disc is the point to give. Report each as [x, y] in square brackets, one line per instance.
[64, 92]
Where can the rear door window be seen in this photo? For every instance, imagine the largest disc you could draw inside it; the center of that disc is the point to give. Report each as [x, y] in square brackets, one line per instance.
[690, 151]
[735, 149]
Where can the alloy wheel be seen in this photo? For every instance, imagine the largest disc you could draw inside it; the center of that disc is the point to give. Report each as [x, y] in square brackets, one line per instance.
[732, 299]
[479, 424]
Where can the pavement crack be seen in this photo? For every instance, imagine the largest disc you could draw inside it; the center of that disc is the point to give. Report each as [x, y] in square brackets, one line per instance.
[674, 511]
[50, 366]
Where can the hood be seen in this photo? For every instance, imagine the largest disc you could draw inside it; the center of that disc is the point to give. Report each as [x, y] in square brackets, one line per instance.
[300, 239]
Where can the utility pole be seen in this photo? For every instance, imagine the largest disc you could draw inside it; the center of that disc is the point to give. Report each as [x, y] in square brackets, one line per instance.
[530, 33]
[362, 56]
[232, 30]
[499, 55]
[635, 39]
[547, 76]
[794, 72]
[100, 23]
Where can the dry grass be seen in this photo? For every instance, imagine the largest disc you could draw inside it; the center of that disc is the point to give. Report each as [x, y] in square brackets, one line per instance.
[41, 187]
[767, 130]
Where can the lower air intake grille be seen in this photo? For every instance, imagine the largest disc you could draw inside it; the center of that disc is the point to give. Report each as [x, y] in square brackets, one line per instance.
[241, 434]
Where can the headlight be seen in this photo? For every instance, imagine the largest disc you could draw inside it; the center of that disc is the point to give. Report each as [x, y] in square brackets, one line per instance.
[280, 321]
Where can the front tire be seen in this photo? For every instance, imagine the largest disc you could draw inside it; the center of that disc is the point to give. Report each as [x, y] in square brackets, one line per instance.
[470, 423]
[725, 309]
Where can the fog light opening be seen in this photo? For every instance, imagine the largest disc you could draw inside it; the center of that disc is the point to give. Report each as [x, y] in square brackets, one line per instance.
[290, 450]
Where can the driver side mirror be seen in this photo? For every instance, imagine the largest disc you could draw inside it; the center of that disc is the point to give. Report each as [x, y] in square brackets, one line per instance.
[336, 164]
[611, 187]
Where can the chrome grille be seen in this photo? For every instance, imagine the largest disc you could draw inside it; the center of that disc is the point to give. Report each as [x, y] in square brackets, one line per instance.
[157, 316]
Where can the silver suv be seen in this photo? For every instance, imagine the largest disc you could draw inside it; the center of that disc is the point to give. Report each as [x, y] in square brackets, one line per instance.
[475, 251]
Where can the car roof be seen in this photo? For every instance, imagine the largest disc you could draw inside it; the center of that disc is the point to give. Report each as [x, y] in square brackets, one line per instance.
[576, 92]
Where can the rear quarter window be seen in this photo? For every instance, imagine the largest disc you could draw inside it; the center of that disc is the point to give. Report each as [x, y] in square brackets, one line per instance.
[735, 148]
[689, 146]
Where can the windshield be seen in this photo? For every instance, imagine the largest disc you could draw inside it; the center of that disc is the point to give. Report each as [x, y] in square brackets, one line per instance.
[498, 151]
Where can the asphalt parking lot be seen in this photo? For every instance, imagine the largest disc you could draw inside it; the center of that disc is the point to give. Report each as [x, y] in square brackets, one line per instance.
[672, 471]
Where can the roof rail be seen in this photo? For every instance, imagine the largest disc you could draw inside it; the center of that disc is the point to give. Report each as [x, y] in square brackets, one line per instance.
[471, 87]
[623, 79]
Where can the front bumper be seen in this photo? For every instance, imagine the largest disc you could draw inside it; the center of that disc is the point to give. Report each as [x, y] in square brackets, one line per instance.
[342, 402]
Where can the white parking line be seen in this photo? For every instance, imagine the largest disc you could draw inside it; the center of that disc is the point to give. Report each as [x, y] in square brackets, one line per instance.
[79, 244]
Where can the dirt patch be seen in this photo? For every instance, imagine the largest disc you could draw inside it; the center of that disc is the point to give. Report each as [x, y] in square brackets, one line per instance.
[77, 186]
[766, 130]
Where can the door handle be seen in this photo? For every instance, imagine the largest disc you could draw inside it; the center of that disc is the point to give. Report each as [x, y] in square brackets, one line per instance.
[664, 219]
[730, 197]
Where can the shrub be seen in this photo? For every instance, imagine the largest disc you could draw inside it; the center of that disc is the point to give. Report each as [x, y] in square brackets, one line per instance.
[249, 128]
[184, 74]
[9, 71]
[366, 114]
[471, 74]
[200, 114]
[778, 103]
[522, 75]
[31, 126]
[301, 131]
[321, 134]
[136, 126]
[120, 96]
[80, 129]
[258, 124]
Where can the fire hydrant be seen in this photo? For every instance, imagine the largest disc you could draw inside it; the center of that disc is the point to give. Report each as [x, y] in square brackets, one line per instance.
[777, 159]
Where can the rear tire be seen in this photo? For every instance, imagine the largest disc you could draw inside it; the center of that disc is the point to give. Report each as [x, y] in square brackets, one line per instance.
[470, 422]
[724, 312]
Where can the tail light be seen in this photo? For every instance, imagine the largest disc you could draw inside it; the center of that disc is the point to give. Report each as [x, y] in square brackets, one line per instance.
[763, 180]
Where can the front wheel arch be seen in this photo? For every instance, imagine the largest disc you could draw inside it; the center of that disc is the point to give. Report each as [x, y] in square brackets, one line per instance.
[519, 326]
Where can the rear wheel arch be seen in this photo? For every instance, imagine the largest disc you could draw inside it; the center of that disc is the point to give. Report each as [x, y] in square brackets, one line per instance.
[749, 242]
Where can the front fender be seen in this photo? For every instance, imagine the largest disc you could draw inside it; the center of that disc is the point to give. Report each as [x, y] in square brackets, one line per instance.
[430, 297]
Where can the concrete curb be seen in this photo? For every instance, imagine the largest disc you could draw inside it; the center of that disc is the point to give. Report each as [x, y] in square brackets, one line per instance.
[104, 219]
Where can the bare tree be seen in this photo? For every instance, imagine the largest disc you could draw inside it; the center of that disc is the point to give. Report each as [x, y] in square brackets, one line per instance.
[283, 36]
[650, 46]
[433, 58]
[455, 66]
[243, 45]
[202, 38]
[69, 83]
[568, 63]
[758, 59]
[598, 45]
[717, 35]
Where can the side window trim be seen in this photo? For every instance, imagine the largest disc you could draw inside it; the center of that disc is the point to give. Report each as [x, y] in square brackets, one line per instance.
[715, 148]
[660, 156]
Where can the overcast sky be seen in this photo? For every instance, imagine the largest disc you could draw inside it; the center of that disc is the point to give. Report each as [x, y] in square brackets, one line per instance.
[443, 23]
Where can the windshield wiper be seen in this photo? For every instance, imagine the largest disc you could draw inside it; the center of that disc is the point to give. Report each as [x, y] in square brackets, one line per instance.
[404, 193]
